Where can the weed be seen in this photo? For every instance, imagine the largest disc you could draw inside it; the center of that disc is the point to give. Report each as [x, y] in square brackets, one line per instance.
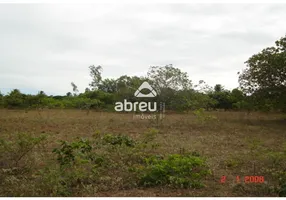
[67, 152]
[118, 140]
[231, 163]
[202, 116]
[176, 171]
[12, 152]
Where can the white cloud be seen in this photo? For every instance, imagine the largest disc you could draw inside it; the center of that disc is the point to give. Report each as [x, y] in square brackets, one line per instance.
[46, 46]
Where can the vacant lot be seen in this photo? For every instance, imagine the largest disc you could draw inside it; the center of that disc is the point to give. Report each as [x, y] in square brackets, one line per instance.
[231, 144]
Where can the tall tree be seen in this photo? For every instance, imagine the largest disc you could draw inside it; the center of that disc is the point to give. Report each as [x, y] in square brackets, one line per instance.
[218, 88]
[203, 87]
[14, 99]
[126, 86]
[108, 85]
[168, 77]
[95, 73]
[69, 94]
[87, 90]
[74, 88]
[265, 75]
[167, 81]
[1, 99]
[222, 97]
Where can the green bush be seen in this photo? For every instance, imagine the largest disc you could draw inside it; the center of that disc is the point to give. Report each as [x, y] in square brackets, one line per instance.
[12, 152]
[202, 116]
[181, 171]
[1, 100]
[78, 166]
[274, 169]
[15, 99]
[282, 183]
[67, 153]
[118, 140]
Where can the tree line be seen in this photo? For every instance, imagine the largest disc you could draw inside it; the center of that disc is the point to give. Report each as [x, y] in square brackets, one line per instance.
[262, 88]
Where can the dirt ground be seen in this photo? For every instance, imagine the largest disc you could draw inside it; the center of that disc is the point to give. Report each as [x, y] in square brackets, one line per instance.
[234, 144]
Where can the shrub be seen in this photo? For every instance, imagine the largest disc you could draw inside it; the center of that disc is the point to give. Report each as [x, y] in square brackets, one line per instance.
[275, 170]
[67, 153]
[12, 152]
[118, 140]
[181, 171]
[1, 100]
[150, 135]
[15, 99]
[202, 116]
[78, 166]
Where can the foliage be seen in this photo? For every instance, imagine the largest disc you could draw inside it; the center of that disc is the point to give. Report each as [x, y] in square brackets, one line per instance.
[1, 100]
[203, 116]
[67, 153]
[118, 140]
[176, 170]
[222, 97]
[95, 73]
[265, 75]
[74, 88]
[108, 85]
[14, 99]
[13, 152]
[168, 77]
[262, 87]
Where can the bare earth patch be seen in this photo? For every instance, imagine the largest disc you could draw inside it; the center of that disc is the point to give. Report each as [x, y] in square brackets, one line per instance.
[234, 144]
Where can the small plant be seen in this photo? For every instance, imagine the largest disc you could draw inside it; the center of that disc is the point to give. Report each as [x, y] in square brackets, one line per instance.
[181, 171]
[20, 147]
[78, 166]
[256, 148]
[253, 144]
[276, 158]
[150, 135]
[202, 116]
[282, 184]
[118, 140]
[67, 153]
[231, 163]
[279, 178]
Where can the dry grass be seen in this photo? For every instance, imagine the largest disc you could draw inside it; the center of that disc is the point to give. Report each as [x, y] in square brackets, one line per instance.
[235, 144]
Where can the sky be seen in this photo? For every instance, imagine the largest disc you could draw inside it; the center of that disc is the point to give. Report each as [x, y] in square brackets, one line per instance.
[48, 46]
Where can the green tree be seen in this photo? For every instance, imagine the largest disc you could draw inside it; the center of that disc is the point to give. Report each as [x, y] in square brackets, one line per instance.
[218, 88]
[202, 87]
[186, 100]
[95, 73]
[238, 99]
[265, 75]
[168, 77]
[168, 80]
[87, 90]
[74, 88]
[126, 87]
[108, 85]
[1, 99]
[15, 99]
[69, 94]
[35, 101]
[222, 97]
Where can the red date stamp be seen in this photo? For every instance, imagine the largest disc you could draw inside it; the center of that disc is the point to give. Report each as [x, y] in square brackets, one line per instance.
[251, 179]
[245, 179]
